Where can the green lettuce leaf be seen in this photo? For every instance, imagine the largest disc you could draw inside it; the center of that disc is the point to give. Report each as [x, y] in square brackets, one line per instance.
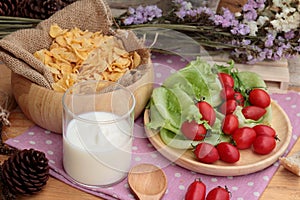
[265, 119]
[198, 81]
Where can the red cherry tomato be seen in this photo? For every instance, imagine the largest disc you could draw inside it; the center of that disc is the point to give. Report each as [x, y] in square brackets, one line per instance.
[253, 112]
[207, 111]
[218, 193]
[228, 153]
[228, 107]
[227, 92]
[206, 153]
[193, 131]
[226, 79]
[244, 137]
[262, 129]
[239, 98]
[259, 97]
[264, 144]
[230, 123]
[196, 191]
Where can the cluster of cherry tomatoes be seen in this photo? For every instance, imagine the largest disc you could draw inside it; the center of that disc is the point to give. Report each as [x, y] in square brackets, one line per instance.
[197, 191]
[261, 138]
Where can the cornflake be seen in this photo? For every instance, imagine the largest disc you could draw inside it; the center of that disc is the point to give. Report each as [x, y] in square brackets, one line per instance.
[77, 55]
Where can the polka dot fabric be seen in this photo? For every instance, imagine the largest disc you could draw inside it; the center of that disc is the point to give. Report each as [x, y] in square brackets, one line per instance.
[242, 187]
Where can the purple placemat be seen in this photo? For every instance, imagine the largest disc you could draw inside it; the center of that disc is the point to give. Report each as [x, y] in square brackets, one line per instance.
[242, 187]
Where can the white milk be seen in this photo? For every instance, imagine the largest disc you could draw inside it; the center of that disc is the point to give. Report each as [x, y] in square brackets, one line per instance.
[94, 155]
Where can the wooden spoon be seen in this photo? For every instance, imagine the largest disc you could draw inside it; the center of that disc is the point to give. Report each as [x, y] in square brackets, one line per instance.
[147, 181]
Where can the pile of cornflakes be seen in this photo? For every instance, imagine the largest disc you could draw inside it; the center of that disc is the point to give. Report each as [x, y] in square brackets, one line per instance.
[76, 55]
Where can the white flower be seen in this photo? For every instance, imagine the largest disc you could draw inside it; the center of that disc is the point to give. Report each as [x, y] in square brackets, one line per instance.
[237, 14]
[281, 4]
[286, 23]
[253, 27]
[262, 20]
[287, 10]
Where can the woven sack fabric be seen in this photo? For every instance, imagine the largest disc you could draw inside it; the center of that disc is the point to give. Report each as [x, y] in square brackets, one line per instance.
[16, 49]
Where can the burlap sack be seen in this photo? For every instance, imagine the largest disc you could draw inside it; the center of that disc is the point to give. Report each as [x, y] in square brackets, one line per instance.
[16, 49]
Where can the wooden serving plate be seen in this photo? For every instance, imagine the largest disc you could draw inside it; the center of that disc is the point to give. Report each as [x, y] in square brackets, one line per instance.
[249, 162]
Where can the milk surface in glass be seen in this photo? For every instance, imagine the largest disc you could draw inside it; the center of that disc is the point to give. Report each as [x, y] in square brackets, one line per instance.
[97, 154]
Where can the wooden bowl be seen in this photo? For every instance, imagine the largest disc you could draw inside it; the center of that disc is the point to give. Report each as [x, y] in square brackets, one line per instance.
[44, 106]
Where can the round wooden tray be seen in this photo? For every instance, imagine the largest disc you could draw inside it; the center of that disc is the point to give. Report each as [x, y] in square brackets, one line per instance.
[249, 162]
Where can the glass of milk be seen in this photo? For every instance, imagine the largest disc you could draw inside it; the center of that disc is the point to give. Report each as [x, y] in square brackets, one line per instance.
[97, 132]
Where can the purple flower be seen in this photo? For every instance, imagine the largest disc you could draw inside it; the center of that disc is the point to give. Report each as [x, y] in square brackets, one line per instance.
[261, 56]
[181, 13]
[240, 29]
[297, 48]
[129, 20]
[289, 35]
[250, 15]
[278, 54]
[270, 40]
[205, 10]
[246, 42]
[131, 10]
[142, 14]
[268, 53]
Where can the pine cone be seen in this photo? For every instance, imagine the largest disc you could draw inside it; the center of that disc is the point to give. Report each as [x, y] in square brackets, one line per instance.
[36, 9]
[25, 172]
[8, 7]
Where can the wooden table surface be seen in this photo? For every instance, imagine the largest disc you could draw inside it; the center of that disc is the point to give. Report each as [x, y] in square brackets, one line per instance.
[283, 185]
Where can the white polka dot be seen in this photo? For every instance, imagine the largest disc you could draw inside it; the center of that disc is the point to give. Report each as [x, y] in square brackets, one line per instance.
[276, 164]
[295, 137]
[48, 142]
[31, 142]
[134, 148]
[153, 155]
[156, 64]
[16, 141]
[298, 114]
[266, 178]
[110, 188]
[30, 133]
[240, 198]
[182, 59]
[177, 175]
[153, 56]
[47, 132]
[50, 152]
[158, 75]
[172, 71]
[256, 194]
[230, 177]
[234, 188]
[52, 161]
[250, 183]
[169, 61]
[214, 180]
[126, 185]
[130, 196]
[288, 98]
[181, 187]
[137, 159]
[294, 106]
[149, 145]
